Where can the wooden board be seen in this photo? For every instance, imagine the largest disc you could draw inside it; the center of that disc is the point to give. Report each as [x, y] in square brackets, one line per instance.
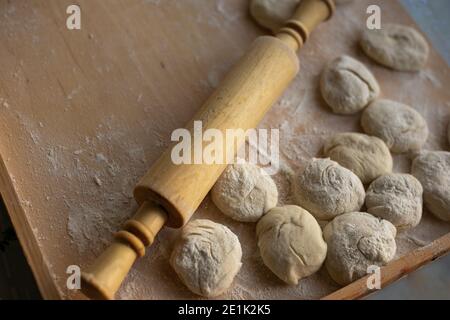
[395, 270]
[83, 114]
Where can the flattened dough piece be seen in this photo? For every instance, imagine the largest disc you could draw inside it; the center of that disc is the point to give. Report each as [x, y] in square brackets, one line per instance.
[401, 127]
[326, 189]
[272, 14]
[396, 198]
[245, 192]
[396, 46]
[356, 241]
[291, 244]
[348, 86]
[432, 169]
[368, 157]
[207, 257]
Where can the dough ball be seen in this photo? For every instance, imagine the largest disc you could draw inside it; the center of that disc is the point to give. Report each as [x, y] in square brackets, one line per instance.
[368, 157]
[207, 257]
[396, 198]
[401, 127]
[291, 244]
[348, 86]
[356, 241]
[432, 169]
[245, 192]
[395, 46]
[273, 14]
[327, 190]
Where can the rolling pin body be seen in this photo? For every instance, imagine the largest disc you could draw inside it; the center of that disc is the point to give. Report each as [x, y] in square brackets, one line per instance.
[170, 193]
[241, 102]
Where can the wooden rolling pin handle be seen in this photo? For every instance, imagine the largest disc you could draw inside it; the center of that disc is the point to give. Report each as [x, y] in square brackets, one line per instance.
[308, 16]
[147, 222]
[169, 194]
[104, 277]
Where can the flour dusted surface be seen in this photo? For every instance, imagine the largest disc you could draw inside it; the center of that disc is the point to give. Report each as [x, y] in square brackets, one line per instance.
[128, 117]
[304, 122]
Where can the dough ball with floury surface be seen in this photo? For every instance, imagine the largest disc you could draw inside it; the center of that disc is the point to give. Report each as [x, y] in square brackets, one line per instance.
[245, 192]
[207, 257]
[401, 127]
[291, 244]
[432, 169]
[326, 189]
[368, 157]
[347, 86]
[396, 46]
[356, 241]
[396, 198]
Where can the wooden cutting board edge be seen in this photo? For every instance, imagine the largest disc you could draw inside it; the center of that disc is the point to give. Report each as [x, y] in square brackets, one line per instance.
[33, 254]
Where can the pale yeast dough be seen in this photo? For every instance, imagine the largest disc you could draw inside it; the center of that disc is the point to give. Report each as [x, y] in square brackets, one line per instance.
[207, 257]
[396, 46]
[368, 157]
[245, 192]
[356, 241]
[397, 198]
[347, 85]
[291, 244]
[432, 169]
[327, 189]
[401, 127]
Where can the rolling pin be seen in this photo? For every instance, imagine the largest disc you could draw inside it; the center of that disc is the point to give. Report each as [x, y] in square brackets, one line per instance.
[170, 193]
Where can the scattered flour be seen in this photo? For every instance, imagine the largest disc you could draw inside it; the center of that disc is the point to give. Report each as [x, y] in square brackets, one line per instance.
[430, 76]
[73, 93]
[97, 181]
[4, 103]
[304, 124]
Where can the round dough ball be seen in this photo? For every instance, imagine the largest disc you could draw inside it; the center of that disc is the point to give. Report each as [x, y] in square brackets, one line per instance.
[291, 244]
[356, 241]
[368, 157]
[401, 127]
[432, 169]
[207, 257]
[397, 47]
[327, 190]
[396, 198]
[245, 192]
[348, 86]
[273, 14]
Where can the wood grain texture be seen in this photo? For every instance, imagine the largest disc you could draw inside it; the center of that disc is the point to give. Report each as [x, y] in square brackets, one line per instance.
[83, 115]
